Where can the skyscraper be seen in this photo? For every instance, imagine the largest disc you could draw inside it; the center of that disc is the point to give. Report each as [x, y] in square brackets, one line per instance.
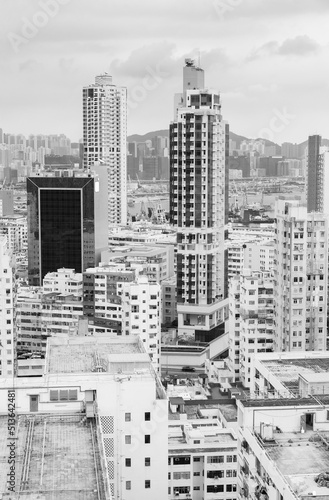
[313, 173]
[317, 180]
[197, 206]
[105, 137]
[67, 222]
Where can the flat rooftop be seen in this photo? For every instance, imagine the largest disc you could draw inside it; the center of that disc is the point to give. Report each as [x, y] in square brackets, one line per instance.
[89, 354]
[287, 370]
[208, 431]
[63, 463]
[254, 403]
[300, 458]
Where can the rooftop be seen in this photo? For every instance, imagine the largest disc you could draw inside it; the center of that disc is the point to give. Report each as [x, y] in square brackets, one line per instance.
[300, 458]
[280, 402]
[207, 432]
[287, 370]
[63, 465]
[89, 354]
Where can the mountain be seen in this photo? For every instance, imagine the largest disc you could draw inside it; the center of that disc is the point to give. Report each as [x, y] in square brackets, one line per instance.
[165, 133]
[235, 137]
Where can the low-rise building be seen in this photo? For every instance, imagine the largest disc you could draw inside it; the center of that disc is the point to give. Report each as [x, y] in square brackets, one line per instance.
[65, 281]
[202, 460]
[98, 418]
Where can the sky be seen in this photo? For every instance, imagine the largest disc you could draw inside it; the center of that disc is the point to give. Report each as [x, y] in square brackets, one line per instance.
[268, 58]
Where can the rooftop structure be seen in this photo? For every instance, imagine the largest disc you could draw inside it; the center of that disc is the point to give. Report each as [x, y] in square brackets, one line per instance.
[119, 440]
[281, 373]
[202, 460]
[283, 448]
[55, 458]
[143, 232]
[73, 356]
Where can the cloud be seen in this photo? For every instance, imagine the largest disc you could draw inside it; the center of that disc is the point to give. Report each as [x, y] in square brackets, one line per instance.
[164, 55]
[299, 46]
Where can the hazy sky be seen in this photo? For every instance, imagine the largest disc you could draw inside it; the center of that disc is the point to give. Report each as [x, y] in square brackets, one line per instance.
[268, 58]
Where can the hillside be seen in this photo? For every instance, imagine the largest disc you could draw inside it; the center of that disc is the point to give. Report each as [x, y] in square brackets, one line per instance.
[235, 137]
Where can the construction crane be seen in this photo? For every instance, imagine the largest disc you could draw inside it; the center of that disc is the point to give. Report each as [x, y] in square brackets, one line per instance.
[139, 185]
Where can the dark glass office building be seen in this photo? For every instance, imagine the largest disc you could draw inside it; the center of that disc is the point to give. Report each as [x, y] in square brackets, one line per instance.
[66, 224]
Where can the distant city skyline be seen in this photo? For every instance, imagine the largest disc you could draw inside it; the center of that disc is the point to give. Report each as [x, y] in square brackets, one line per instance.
[265, 58]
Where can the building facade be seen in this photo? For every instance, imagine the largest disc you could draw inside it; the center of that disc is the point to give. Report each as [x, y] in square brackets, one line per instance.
[105, 137]
[7, 326]
[301, 277]
[197, 206]
[251, 321]
[67, 223]
[202, 461]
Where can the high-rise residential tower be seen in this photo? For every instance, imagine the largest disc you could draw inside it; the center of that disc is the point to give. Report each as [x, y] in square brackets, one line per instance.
[105, 140]
[301, 278]
[317, 179]
[197, 206]
[7, 327]
[67, 221]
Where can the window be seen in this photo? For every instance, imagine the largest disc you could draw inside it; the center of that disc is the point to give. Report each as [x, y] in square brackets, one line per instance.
[231, 458]
[127, 439]
[64, 395]
[127, 417]
[148, 462]
[147, 483]
[147, 415]
[128, 462]
[147, 438]
[128, 485]
[215, 488]
[231, 487]
[183, 460]
[215, 459]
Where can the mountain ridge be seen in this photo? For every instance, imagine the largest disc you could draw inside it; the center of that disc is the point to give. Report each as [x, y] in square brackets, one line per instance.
[235, 137]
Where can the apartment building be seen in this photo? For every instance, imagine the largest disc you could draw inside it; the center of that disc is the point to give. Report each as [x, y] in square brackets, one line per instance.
[15, 229]
[40, 315]
[7, 324]
[105, 140]
[157, 260]
[116, 299]
[252, 325]
[197, 205]
[202, 460]
[250, 254]
[96, 446]
[284, 430]
[64, 281]
[301, 277]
